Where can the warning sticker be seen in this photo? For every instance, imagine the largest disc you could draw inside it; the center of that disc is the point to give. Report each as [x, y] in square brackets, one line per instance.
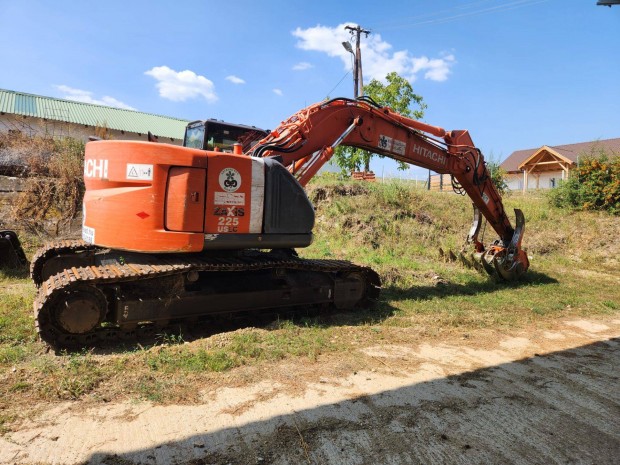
[385, 142]
[398, 146]
[139, 172]
[393, 145]
[229, 198]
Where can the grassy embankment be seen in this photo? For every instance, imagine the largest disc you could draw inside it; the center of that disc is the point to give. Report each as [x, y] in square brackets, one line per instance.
[394, 228]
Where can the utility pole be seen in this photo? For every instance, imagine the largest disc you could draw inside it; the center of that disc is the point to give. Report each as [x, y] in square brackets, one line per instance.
[358, 80]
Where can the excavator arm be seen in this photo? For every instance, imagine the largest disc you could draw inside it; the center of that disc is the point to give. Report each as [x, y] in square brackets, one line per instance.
[306, 141]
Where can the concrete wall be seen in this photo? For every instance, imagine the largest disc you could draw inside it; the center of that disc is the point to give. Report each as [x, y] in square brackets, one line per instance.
[31, 126]
[9, 190]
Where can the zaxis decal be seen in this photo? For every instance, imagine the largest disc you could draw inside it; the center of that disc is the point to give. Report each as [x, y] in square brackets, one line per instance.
[229, 211]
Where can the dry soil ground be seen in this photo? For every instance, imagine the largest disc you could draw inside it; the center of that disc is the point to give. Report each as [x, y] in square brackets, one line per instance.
[544, 396]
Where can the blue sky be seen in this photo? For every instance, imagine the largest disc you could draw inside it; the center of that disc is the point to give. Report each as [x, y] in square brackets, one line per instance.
[516, 73]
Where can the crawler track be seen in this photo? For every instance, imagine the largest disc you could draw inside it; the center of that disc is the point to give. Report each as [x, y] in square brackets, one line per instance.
[86, 305]
[40, 268]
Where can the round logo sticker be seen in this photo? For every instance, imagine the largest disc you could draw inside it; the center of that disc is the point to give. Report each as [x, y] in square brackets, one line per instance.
[230, 179]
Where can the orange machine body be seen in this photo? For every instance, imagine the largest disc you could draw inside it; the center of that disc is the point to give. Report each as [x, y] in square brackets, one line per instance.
[143, 196]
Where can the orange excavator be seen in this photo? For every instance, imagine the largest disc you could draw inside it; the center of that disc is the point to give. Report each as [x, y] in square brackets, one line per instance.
[178, 233]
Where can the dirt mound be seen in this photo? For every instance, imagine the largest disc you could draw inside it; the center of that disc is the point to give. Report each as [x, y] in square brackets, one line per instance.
[328, 192]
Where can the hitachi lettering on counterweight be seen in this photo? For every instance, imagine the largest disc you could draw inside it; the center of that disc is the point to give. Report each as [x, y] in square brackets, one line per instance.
[96, 169]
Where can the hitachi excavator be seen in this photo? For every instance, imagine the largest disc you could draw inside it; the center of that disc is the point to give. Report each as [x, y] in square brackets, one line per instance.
[176, 233]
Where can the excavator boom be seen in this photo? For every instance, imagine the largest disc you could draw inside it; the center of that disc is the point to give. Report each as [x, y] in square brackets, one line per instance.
[306, 141]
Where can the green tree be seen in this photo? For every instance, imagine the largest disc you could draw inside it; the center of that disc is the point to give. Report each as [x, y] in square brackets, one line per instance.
[397, 94]
[498, 175]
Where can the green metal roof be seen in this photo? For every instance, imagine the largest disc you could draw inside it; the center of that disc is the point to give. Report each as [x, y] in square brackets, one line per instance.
[88, 114]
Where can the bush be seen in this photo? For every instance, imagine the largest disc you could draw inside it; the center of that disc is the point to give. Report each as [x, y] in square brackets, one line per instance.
[55, 187]
[593, 185]
[19, 151]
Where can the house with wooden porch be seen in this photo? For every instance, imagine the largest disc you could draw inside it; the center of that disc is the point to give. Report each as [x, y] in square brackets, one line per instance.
[546, 166]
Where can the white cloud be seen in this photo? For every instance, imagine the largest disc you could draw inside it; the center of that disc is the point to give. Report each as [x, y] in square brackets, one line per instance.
[85, 96]
[437, 69]
[278, 92]
[378, 58]
[180, 86]
[235, 79]
[302, 66]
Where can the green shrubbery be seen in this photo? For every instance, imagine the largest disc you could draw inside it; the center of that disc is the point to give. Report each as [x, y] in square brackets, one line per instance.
[593, 185]
[498, 176]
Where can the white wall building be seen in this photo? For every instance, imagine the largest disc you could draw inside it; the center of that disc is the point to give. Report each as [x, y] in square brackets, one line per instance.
[545, 167]
[46, 116]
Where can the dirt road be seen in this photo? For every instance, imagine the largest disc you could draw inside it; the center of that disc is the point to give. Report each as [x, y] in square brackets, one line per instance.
[537, 397]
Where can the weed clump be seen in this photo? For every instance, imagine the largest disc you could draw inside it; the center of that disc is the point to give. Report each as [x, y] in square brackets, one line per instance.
[327, 192]
[54, 187]
[18, 152]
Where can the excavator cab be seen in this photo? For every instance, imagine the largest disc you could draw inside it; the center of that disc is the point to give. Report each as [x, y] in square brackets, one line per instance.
[220, 136]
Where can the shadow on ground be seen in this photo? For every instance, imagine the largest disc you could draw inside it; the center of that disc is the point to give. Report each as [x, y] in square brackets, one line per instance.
[559, 408]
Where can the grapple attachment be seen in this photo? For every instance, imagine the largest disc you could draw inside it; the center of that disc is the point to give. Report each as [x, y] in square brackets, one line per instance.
[506, 262]
[11, 253]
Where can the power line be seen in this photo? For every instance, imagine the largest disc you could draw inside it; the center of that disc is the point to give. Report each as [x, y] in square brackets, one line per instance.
[494, 9]
[442, 19]
[339, 82]
[434, 13]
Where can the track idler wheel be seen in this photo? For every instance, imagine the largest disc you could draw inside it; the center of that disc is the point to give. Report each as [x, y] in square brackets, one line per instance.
[71, 318]
[357, 290]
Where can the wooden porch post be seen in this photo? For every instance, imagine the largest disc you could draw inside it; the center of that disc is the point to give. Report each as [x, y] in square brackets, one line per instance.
[565, 171]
